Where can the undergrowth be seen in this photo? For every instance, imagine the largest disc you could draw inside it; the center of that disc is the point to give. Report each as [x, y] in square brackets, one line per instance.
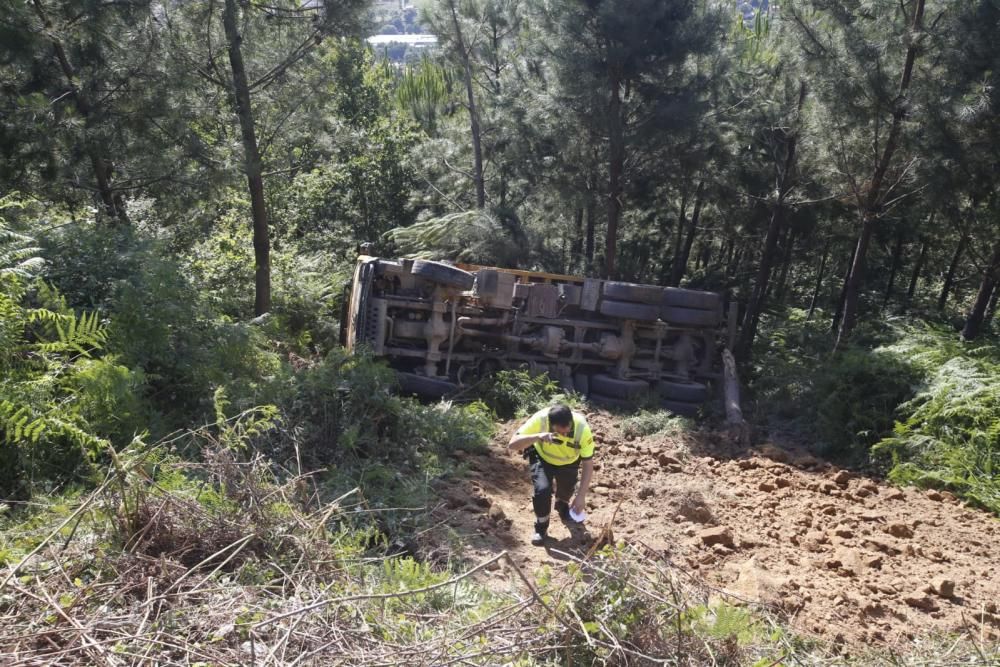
[948, 435]
[919, 404]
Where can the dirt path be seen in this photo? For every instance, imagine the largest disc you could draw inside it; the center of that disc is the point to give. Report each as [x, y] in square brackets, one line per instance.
[845, 557]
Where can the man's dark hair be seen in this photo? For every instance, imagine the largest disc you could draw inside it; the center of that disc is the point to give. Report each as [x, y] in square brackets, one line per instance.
[560, 415]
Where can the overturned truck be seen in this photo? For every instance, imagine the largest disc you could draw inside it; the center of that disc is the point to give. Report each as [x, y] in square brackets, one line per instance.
[443, 327]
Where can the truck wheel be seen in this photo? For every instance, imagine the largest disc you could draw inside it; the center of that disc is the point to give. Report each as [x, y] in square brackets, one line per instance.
[690, 317]
[680, 408]
[612, 402]
[678, 390]
[609, 386]
[690, 298]
[439, 272]
[629, 311]
[581, 383]
[650, 294]
[412, 384]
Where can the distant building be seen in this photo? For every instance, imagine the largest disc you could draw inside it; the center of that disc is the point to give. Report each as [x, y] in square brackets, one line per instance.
[749, 8]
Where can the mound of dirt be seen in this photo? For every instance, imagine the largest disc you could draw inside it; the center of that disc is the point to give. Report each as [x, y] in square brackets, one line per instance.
[844, 557]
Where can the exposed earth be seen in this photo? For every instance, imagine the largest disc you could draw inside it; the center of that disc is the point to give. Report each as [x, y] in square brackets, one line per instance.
[839, 555]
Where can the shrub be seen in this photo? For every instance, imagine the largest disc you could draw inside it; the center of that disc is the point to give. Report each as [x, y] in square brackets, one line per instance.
[950, 434]
[517, 393]
[856, 397]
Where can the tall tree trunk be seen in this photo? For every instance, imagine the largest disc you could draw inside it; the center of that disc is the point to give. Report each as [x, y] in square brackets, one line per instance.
[915, 276]
[897, 260]
[682, 257]
[786, 265]
[991, 310]
[819, 280]
[667, 269]
[872, 202]
[252, 163]
[576, 249]
[974, 320]
[839, 311]
[616, 172]
[949, 278]
[726, 257]
[477, 145]
[591, 230]
[751, 318]
[114, 204]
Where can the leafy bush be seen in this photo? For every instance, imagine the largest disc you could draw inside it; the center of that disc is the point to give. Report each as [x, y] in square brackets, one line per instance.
[650, 422]
[846, 401]
[515, 393]
[950, 436]
[856, 396]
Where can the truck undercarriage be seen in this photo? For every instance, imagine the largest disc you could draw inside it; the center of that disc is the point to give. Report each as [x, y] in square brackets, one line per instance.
[443, 327]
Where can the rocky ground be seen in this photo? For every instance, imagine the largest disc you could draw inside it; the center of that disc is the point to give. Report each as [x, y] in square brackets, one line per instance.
[840, 555]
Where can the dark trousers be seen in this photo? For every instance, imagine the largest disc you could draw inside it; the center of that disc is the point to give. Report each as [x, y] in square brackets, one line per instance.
[543, 475]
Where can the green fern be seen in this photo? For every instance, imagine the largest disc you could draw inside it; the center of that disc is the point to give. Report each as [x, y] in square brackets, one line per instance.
[950, 437]
[83, 335]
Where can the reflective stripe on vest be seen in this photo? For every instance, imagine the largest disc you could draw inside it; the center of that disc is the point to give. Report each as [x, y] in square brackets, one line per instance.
[577, 437]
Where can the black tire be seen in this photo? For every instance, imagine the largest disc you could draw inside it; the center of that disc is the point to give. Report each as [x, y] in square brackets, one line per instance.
[443, 274]
[609, 386]
[650, 294]
[612, 402]
[680, 408]
[690, 317]
[630, 311]
[412, 384]
[581, 383]
[679, 390]
[690, 298]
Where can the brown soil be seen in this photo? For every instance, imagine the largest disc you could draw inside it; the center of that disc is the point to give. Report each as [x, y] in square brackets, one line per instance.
[842, 556]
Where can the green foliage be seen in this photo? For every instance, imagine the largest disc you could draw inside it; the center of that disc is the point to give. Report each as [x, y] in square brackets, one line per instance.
[846, 401]
[653, 421]
[857, 393]
[469, 236]
[18, 254]
[950, 434]
[517, 393]
[422, 90]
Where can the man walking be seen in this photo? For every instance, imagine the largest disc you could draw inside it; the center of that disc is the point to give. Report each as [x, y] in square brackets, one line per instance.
[558, 442]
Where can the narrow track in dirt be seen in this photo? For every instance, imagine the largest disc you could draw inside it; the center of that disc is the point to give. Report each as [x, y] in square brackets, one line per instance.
[842, 556]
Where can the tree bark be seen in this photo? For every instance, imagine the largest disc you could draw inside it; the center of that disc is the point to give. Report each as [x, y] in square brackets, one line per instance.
[681, 259]
[252, 162]
[872, 202]
[667, 268]
[839, 312]
[786, 265]
[915, 277]
[974, 320]
[991, 310]
[114, 205]
[819, 280]
[477, 145]
[616, 171]
[751, 318]
[949, 278]
[897, 260]
[576, 249]
[591, 228]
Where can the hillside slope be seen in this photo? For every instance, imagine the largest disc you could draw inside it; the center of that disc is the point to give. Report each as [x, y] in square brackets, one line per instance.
[843, 557]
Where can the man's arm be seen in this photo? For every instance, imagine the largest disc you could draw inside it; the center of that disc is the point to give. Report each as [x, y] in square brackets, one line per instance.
[519, 443]
[586, 474]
